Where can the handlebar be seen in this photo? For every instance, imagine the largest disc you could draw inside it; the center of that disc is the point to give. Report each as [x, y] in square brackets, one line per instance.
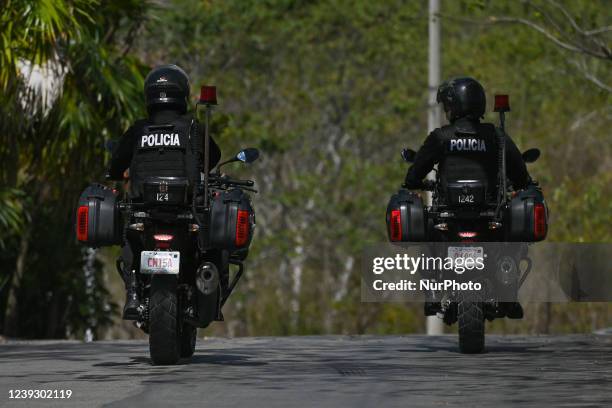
[223, 180]
[426, 185]
[231, 181]
[246, 183]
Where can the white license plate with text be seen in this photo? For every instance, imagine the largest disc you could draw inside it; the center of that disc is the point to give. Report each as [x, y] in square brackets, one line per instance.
[160, 262]
[465, 252]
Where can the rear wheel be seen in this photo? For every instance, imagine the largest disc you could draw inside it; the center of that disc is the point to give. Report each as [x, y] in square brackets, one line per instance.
[188, 340]
[470, 316]
[164, 336]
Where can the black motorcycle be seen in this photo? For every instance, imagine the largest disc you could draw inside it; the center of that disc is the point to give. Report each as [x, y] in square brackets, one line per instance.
[464, 221]
[184, 240]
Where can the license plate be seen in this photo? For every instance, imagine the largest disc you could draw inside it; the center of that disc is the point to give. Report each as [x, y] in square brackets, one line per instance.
[465, 252]
[160, 262]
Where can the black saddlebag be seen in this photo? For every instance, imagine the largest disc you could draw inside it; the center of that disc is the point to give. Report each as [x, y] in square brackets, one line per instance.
[232, 221]
[405, 217]
[98, 218]
[527, 216]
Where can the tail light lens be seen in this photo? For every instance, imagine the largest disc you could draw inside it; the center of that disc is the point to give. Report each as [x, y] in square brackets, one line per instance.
[395, 227]
[467, 234]
[539, 224]
[242, 228]
[163, 237]
[82, 223]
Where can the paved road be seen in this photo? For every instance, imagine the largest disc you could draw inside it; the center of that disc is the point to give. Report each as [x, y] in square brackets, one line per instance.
[330, 371]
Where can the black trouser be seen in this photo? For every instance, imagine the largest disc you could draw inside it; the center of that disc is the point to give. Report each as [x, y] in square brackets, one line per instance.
[127, 260]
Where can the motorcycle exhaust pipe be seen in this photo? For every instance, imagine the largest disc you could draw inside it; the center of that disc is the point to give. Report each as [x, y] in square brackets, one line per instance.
[207, 278]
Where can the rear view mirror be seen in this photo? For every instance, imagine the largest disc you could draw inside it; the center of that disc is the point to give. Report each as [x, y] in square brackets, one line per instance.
[531, 155]
[248, 155]
[408, 155]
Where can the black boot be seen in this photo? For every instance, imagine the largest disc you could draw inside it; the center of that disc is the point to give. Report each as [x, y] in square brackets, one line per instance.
[432, 308]
[514, 310]
[432, 305]
[132, 303]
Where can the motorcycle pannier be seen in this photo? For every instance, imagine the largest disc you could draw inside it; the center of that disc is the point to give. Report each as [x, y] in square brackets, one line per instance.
[165, 190]
[232, 221]
[405, 217]
[528, 216]
[97, 221]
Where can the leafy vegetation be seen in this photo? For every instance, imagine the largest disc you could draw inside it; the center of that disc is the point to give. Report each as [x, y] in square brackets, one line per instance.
[330, 91]
[67, 84]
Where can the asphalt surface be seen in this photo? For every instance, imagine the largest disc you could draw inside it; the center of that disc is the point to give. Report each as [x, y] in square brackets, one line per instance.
[329, 371]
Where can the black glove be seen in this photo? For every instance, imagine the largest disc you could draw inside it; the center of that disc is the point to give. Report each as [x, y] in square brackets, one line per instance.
[412, 186]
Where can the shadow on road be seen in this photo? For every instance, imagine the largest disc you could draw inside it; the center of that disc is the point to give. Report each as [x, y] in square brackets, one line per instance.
[349, 370]
[225, 359]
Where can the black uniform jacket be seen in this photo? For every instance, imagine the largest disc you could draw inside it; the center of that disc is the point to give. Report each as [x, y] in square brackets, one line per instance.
[124, 152]
[466, 149]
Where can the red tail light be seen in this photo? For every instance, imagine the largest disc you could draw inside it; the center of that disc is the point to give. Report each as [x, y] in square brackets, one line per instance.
[163, 237]
[467, 234]
[242, 228]
[539, 224]
[82, 223]
[395, 227]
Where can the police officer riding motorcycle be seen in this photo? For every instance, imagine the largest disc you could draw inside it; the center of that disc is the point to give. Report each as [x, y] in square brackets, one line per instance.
[168, 143]
[465, 148]
[183, 222]
[471, 203]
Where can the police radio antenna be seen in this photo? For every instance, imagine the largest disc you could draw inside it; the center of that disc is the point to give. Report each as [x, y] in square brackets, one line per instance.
[208, 98]
[502, 105]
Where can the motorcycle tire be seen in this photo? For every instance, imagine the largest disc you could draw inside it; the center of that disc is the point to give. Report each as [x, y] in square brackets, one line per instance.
[471, 320]
[188, 340]
[164, 336]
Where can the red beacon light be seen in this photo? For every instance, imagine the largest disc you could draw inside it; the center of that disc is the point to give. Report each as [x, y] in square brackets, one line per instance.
[208, 95]
[502, 103]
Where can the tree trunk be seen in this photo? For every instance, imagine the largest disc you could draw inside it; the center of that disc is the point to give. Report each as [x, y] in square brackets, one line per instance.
[11, 321]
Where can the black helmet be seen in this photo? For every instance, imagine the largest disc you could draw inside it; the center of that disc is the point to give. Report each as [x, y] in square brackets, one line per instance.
[462, 97]
[166, 87]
